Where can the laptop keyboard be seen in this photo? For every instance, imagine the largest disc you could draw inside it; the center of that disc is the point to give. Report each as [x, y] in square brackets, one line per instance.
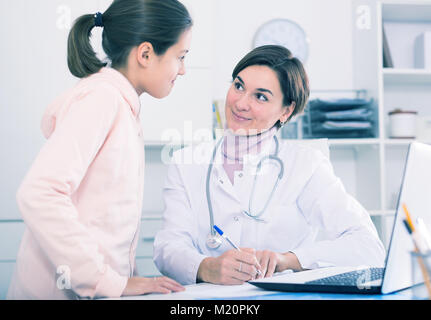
[352, 278]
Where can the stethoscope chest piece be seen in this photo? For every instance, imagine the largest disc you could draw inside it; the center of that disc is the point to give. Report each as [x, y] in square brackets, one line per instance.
[214, 241]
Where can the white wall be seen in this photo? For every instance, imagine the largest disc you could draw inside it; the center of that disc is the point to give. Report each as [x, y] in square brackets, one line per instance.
[33, 72]
[328, 25]
[34, 69]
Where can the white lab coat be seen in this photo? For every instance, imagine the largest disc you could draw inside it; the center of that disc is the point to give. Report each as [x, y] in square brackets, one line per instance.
[309, 200]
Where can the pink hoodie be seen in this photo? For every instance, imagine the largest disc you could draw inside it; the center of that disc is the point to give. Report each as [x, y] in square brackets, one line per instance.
[82, 197]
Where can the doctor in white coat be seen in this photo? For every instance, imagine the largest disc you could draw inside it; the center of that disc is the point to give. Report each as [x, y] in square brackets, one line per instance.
[271, 198]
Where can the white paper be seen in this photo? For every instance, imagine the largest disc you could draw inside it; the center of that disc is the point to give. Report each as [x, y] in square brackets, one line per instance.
[210, 291]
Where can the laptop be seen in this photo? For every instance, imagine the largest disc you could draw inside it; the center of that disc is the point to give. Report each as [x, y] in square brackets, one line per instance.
[396, 274]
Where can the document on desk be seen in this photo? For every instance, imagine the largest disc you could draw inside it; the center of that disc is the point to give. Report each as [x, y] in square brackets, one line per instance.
[210, 291]
[204, 291]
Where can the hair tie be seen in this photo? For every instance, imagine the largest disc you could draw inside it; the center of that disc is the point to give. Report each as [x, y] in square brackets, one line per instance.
[98, 22]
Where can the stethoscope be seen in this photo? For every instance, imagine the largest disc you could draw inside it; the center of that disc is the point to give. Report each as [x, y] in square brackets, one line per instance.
[214, 240]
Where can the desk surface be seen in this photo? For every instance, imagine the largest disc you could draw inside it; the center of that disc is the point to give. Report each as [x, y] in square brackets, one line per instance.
[206, 291]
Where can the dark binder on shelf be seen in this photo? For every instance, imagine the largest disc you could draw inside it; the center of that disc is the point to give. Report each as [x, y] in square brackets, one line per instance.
[387, 59]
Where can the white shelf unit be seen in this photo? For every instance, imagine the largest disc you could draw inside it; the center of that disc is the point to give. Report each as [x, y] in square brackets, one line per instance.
[406, 76]
[402, 86]
[352, 142]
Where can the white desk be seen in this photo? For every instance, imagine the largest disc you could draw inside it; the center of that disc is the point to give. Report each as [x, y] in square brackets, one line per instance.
[207, 291]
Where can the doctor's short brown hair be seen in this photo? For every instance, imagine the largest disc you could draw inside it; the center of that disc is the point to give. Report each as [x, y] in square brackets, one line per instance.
[290, 71]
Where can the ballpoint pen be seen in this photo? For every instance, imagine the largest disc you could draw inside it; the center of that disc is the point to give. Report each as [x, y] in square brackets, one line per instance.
[222, 234]
[408, 217]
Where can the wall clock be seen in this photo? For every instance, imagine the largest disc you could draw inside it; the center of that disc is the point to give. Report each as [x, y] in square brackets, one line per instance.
[286, 33]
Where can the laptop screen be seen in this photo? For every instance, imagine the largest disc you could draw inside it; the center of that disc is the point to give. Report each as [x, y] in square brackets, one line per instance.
[415, 193]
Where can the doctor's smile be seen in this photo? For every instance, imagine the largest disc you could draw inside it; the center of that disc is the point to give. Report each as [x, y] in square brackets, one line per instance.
[238, 117]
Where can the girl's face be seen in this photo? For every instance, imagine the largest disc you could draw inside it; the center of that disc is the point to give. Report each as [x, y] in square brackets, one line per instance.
[164, 69]
[254, 102]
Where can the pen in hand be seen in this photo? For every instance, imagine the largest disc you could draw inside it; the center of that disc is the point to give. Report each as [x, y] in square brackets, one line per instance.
[222, 234]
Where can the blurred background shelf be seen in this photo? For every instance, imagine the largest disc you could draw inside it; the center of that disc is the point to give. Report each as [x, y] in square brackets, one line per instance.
[382, 213]
[406, 76]
[353, 142]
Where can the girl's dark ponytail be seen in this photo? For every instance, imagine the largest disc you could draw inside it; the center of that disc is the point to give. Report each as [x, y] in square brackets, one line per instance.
[126, 24]
[81, 58]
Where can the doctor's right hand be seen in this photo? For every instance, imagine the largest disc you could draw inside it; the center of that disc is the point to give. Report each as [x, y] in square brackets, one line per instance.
[232, 267]
[139, 285]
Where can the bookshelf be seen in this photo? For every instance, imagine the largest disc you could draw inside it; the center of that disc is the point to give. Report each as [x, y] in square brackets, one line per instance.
[401, 86]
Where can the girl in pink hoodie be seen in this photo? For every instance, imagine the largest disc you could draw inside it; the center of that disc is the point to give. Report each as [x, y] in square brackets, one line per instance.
[82, 197]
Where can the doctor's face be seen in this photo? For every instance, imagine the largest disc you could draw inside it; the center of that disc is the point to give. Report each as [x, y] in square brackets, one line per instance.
[254, 102]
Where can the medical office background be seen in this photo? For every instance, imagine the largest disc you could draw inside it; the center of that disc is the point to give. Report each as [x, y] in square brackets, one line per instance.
[344, 60]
